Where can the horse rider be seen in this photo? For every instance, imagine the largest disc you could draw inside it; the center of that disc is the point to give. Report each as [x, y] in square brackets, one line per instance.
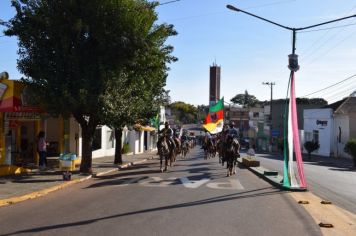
[232, 131]
[184, 137]
[168, 133]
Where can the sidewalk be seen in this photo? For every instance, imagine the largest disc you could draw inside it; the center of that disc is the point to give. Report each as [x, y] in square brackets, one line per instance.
[18, 188]
[333, 220]
[276, 180]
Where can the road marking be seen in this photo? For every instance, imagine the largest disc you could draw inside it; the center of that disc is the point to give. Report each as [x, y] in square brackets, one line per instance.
[193, 184]
[158, 182]
[131, 181]
[233, 184]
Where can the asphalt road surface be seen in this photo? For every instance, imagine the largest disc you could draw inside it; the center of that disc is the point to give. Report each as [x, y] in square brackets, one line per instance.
[333, 183]
[193, 198]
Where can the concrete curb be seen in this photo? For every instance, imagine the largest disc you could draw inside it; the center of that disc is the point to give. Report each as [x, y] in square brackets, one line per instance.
[43, 192]
[259, 171]
[275, 180]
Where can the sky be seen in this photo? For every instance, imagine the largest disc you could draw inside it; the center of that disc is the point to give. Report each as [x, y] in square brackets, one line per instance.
[248, 50]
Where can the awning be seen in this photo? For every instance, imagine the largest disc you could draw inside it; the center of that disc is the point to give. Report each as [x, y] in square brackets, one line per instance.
[144, 128]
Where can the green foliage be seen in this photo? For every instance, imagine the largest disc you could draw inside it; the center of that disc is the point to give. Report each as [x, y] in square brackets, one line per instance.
[350, 148]
[125, 148]
[311, 146]
[184, 113]
[245, 100]
[303, 101]
[102, 61]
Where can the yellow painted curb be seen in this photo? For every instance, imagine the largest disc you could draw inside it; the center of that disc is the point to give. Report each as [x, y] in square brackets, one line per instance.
[40, 193]
[343, 221]
[43, 192]
[11, 170]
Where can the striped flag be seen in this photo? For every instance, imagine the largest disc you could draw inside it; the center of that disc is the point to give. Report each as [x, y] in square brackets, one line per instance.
[215, 119]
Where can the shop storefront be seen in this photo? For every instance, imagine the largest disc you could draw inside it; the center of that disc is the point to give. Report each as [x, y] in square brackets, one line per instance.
[19, 124]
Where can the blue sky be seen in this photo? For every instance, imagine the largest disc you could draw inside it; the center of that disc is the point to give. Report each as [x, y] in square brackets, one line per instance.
[248, 50]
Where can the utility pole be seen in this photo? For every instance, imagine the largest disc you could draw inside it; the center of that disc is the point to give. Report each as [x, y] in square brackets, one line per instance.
[291, 107]
[270, 84]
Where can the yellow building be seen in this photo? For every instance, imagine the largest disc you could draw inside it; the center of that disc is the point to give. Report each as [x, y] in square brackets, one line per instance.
[20, 124]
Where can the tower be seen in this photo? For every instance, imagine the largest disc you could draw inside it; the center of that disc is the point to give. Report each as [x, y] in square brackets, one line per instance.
[214, 88]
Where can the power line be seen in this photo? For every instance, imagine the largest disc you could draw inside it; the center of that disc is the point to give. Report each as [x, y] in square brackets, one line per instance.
[310, 52]
[339, 87]
[222, 12]
[270, 4]
[340, 96]
[164, 3]
[340, 26]
[331, 85]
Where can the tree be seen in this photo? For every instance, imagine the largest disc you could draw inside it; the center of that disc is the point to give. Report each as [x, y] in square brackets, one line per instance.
[140, 83]
[350, 148]
[71, 51]
[245, 100]
[184, 113]
[311, 146]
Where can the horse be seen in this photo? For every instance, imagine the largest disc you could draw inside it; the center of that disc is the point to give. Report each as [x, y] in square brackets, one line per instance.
[232, 152]
[177, 149]
[210, 149]
[220, 149]
[185, 148]
[165, 151]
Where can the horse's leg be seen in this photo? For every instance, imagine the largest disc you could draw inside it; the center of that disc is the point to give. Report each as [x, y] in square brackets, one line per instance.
[165, 162]
[161, 162]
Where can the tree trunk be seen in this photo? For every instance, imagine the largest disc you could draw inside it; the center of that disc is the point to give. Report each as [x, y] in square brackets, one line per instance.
[87, 142]
[88, 127]
[118, 146]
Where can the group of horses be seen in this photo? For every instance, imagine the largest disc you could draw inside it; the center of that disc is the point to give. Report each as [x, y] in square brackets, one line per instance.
[169, 152]
[227, 147]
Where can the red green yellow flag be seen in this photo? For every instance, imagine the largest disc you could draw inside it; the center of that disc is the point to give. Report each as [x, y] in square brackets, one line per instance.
[215, 119]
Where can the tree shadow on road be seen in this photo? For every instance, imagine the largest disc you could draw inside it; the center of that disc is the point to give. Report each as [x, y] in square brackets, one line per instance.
[267, 191]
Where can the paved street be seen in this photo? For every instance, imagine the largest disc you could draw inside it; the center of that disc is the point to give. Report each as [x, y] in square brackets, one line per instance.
[193, 198]
[329, 178]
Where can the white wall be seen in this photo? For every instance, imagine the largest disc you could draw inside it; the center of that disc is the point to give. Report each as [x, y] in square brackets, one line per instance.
[105, 150]
[321, 120]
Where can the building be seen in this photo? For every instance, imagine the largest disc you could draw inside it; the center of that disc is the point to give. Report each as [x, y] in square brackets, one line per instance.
[214, 88]
[331, 126]
[20, 123]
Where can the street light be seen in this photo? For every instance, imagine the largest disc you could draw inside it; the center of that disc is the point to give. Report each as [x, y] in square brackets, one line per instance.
[292, 117]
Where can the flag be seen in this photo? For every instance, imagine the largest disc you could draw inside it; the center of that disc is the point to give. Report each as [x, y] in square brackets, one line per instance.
[215, 119]
[155, 121]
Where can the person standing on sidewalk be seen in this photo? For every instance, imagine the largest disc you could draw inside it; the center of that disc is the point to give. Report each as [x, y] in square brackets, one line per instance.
[42, 150]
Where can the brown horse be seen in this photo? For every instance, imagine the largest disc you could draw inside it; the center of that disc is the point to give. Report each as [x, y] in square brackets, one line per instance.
[185, 148]
[231, 153]
[165, 151]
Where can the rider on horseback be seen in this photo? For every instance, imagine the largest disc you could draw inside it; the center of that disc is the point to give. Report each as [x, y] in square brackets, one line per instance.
[232, 131]
[168, 133]
[184, 136]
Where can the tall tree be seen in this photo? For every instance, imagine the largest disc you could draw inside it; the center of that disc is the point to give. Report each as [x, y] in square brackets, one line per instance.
[184, 113]
[140, 82]
[72, 50]
[245, 100]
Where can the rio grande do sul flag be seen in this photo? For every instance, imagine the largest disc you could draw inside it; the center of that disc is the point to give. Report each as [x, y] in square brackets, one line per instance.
[215, 119]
